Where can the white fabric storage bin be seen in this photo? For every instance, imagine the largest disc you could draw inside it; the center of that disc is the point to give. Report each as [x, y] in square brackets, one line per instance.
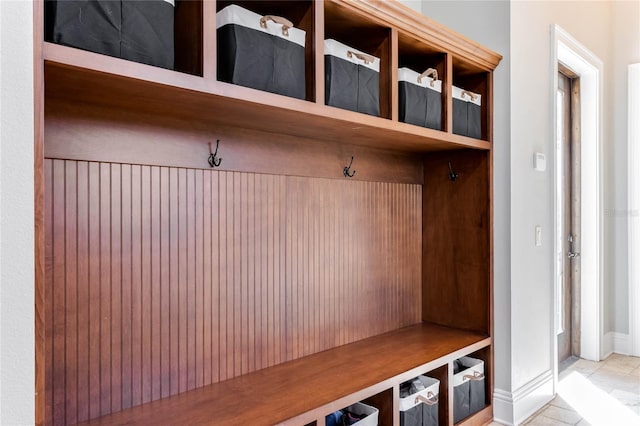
[360, 409]
[467, 108]
[258, 52]
[352, 78]
[420, 408]
[419, 99]
[468, 388]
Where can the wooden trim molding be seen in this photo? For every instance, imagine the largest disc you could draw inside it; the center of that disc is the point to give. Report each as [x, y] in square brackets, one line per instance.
[38, 152]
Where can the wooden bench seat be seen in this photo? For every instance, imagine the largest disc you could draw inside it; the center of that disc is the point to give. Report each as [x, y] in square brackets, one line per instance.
[301, 391]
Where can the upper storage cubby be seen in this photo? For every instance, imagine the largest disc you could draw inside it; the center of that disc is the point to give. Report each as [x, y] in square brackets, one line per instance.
[471, 100]
[267, 45]
[357, 55]
[162, 33]
[421, 83]
[317, 84]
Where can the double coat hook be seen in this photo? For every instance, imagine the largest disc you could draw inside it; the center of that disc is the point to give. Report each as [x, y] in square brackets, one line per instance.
[452, 175]
[213, 161]
[347, 170]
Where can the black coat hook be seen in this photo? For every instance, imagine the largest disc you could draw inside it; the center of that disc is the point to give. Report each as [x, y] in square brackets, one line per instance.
[452, 175]
[213, 161]
[346, 170]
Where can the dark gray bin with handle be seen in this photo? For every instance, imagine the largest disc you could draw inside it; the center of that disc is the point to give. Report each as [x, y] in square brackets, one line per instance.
[261, 52]
[420, 98]
[467, 110]
[468, 387]
[140, 31]
[419, 402]
[352, 78]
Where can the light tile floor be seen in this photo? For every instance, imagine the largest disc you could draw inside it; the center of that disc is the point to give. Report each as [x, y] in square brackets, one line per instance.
[605, 393]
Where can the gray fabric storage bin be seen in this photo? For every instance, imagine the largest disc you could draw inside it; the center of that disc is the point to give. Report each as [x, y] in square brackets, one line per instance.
[412, 416]
[352, 79]
[140, 31]
[419, 407]
[468, 387]
[255, 51]
[467, 109]
[419, 99]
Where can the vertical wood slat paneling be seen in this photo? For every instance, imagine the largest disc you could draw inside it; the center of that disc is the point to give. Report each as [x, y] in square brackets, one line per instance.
[165, 277]
[59, 278]
[147, 266]
[162, 279]
[94, 289]
[182, 283]
[116, 287]
[136, 285]
[155, 285]
[104, 271]
[70, 291]
[83, 308]
[174, 376]
[126, 283]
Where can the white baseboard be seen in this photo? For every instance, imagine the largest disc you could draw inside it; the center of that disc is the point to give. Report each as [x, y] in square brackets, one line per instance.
[619, 343]
[513, 408]
[502, 407]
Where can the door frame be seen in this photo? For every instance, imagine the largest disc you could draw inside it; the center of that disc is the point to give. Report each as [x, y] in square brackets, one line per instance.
[569, 308]
[589, 68]
[633, 159]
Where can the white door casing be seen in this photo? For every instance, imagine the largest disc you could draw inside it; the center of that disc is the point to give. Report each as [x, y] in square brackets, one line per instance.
[589, 68]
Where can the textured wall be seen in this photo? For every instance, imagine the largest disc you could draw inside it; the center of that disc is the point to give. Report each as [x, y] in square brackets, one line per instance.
[17, 314]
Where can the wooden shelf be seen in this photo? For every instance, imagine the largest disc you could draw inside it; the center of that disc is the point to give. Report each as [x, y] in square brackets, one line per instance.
[309, 388]
[87, 77]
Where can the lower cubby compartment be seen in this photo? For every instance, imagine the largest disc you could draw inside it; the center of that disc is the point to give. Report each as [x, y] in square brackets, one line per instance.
[358, 414]
[428, 406]
[471, 387]
[304, 391]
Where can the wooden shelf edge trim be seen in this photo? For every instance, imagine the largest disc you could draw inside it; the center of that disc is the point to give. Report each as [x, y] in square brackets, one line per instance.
[267, 111]
[355, 120]
[72, 57]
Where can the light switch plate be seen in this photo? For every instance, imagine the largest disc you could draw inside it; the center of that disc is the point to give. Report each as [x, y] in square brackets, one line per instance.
[538, 236]
[539, 162]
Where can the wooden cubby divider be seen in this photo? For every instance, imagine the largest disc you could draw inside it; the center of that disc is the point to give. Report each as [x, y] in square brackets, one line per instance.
[272, 288]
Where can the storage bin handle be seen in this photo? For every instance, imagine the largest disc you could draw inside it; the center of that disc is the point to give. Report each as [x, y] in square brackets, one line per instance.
[475, 376]
[428, 73]
[286, 24]
[367, 59]
[471, 95]
[431, 399]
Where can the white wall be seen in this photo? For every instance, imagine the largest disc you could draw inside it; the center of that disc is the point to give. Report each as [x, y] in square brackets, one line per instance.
[16, 214]
[600, 27]
[413, 4]
[609, 30]
[626, 50]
